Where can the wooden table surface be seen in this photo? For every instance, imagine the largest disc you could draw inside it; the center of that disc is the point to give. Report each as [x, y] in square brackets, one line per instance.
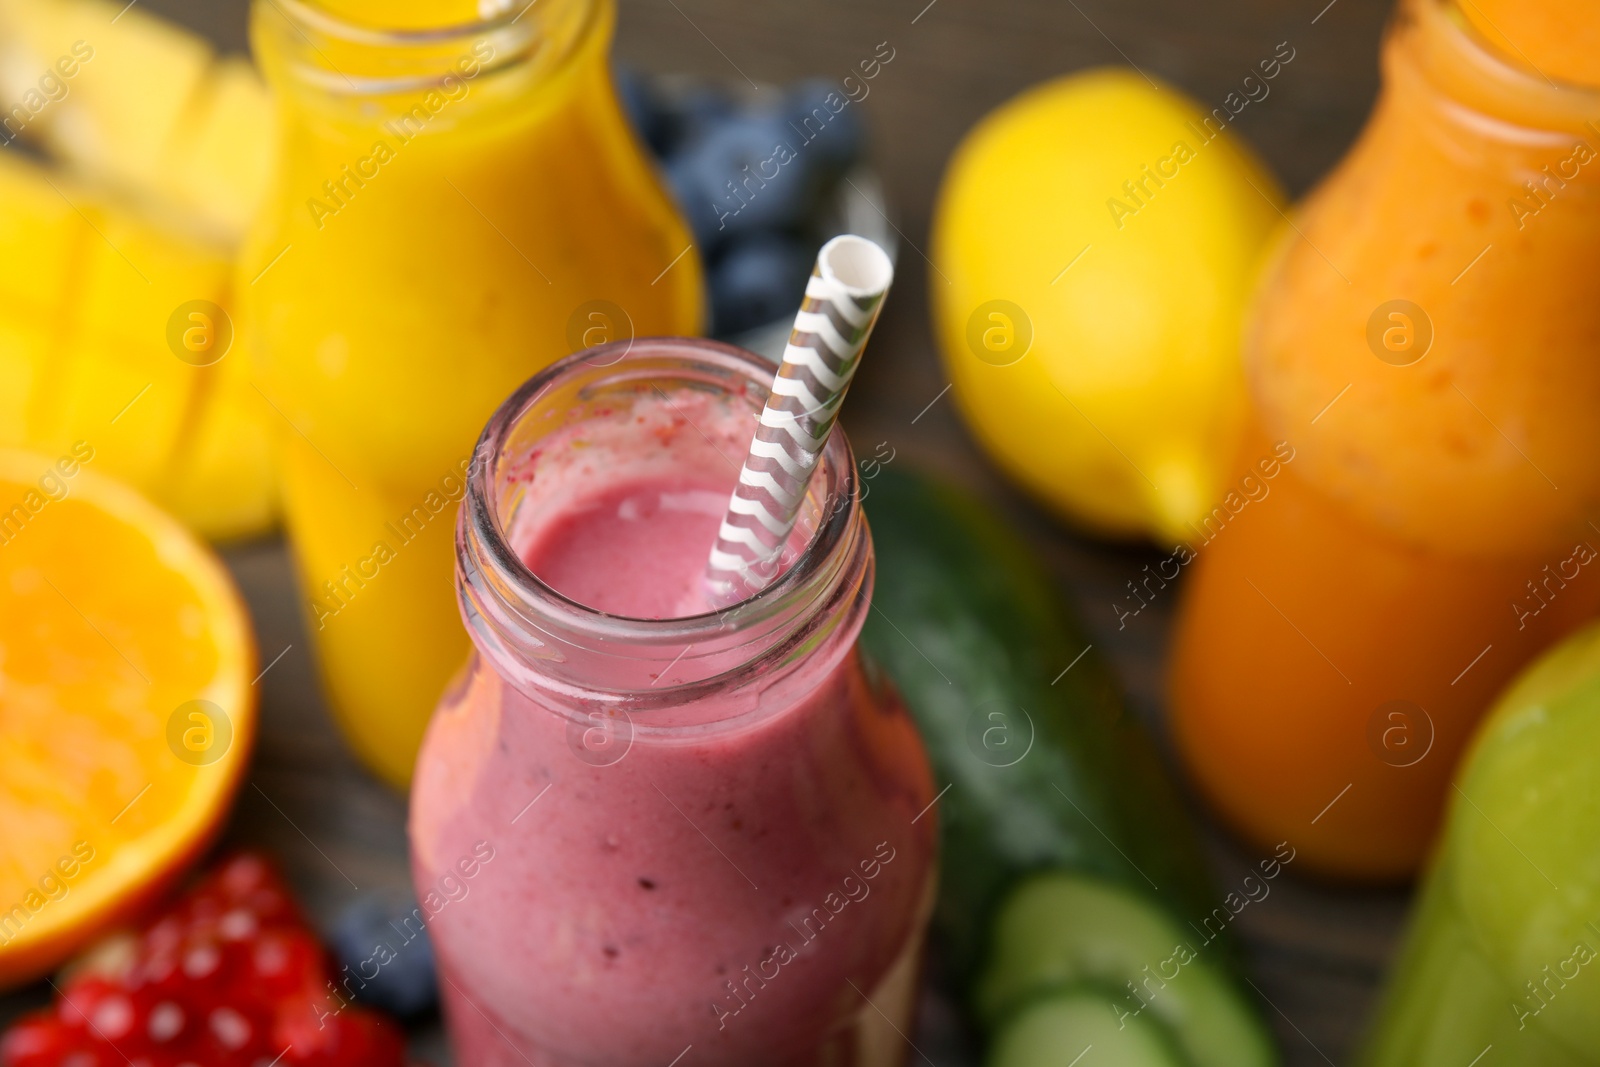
[1315, 954]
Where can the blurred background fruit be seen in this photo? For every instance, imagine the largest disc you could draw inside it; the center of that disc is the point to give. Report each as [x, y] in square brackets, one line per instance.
[395, 936]
[158, 152]
[97, 299]
[763, 179]
[228, 976]
[149, 108]
[126, 710]
[1096, 244]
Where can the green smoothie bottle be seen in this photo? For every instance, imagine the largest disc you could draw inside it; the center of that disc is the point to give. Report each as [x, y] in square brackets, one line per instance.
[1501, 965]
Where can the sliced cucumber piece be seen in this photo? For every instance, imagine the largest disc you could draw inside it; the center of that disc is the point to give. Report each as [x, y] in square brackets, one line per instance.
[1079, 1030]
[1060, 930]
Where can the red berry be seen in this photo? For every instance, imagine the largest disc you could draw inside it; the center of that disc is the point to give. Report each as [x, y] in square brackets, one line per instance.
[38, 1040]
[229, 976]
[166, 1023]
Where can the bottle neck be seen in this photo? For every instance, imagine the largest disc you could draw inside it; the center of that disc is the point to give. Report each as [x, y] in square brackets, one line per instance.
[631, 407]
[1432, 43]
[307, 51]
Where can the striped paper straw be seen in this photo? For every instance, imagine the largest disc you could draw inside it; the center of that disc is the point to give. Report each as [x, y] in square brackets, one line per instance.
[843, 298]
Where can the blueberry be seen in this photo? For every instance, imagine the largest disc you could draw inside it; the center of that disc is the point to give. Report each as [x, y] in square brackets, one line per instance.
[833, 133]
[374, 933]
[696, 111]
[757, 280]
[689, 189]
[747, 175]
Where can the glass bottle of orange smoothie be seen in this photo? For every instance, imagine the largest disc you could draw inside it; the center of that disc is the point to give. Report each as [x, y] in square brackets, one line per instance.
[1425, 348]
[459, 201]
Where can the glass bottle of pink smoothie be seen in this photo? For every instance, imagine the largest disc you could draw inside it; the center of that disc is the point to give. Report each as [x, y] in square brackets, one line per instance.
[646, 832]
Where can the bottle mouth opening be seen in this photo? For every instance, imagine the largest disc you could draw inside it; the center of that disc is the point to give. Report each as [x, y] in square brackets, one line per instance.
[555, 643]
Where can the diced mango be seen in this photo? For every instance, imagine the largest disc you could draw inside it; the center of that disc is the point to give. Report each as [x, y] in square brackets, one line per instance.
[130, 100]
[88, 356]
[224, 476]
[222, 162]
[24, 353]
[169, 150]
[138, 274]
[134, 80]
[39, 241]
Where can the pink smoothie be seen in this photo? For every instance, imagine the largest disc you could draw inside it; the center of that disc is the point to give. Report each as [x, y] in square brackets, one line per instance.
[745, 875]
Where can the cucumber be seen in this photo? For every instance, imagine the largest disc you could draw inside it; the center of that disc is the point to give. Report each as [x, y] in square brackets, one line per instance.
[1062, 930]
[1079, 1030]
[1045, 768]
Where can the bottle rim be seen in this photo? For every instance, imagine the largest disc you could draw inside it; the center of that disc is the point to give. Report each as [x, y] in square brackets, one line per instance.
[534, 633]
[403, 60]
[310, 14]
[1482, 77]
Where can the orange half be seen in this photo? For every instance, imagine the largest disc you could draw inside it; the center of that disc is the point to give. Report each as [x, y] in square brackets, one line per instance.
[126, 707]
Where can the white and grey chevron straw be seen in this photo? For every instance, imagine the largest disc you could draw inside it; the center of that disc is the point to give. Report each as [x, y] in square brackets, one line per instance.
[843, 298]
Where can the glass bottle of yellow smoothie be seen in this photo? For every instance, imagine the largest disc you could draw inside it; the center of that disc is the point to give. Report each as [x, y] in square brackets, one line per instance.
[458, 202]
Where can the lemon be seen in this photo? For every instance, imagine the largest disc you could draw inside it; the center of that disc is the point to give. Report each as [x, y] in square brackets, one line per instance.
[1096, 239]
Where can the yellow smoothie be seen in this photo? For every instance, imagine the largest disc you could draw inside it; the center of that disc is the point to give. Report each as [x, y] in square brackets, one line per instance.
[452, 211]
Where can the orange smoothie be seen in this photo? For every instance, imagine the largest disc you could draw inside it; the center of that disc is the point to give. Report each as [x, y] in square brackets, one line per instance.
[1558, 39]
[452, 211]
[1441, 280]
[1328, 676]
[1426, 340]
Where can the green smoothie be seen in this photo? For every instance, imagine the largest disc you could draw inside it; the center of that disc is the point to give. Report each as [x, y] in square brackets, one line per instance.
[1502, 961]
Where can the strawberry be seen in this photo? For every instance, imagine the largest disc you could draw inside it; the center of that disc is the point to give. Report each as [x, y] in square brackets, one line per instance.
[228, 976]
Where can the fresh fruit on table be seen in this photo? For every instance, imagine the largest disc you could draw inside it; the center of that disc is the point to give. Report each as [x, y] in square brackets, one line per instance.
[1069, 932]
[738, 169]
[99, 341]
[1556, 38]
[1095, 246]
[840, 143]
[734, 180]
[164, 151]
[374, 931]
[755, 281]
[229, 976]
[753, 179]
[1504, 941]
[126, 711]
[132, 101]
